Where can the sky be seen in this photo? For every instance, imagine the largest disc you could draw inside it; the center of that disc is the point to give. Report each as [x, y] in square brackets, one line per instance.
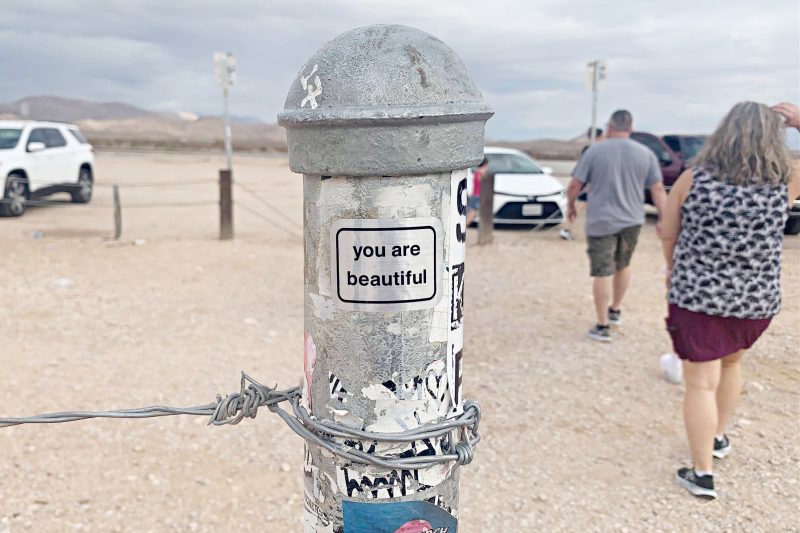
[678, 66]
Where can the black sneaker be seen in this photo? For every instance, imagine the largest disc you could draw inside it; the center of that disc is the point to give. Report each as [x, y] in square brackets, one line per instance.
[721, 447]
[700, 486]
[600, 333]
[614, 316]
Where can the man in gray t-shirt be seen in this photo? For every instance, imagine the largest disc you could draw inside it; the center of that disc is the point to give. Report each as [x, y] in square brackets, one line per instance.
[617, 171]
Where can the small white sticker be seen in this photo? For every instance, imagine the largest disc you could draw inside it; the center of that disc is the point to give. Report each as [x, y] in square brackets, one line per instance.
[386, 264]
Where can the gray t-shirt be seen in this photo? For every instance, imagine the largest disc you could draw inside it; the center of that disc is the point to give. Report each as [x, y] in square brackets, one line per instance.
[619, 171]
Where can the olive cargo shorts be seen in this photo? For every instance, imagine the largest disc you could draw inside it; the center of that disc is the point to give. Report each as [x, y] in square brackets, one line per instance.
[610, 253]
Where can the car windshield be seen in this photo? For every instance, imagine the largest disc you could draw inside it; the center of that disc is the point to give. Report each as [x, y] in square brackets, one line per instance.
[9, 138]
[512, 164]
[690, 146]
[80, 137]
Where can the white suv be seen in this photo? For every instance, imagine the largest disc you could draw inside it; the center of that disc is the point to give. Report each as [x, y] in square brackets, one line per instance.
[41, 158]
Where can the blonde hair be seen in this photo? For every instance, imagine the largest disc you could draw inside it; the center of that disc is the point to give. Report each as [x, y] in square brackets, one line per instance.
[748, 147]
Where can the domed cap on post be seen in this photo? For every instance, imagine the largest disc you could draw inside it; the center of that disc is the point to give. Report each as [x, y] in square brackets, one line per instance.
[384, 100]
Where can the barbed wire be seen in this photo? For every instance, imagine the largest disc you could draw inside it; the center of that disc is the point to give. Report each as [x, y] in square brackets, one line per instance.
[459, 447]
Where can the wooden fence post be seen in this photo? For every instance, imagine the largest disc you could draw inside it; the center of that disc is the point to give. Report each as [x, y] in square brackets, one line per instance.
[225, 205]
[117, 214]
[486, 210]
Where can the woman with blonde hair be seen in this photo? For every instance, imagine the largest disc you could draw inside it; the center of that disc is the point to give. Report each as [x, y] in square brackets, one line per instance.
[722, 232]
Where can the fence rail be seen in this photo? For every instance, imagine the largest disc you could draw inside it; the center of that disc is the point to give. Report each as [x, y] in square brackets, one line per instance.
[55, 203]
[283, 221]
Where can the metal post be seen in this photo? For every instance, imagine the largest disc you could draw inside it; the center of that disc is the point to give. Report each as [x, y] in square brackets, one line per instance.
[228, 145]
[383, 122]
[225, 205]
[117, 214]
[486, 210]
[595, 81]
[225, 76]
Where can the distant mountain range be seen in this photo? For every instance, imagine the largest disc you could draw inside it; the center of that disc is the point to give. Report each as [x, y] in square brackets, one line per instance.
[70, 110]
[117, 125]
[60, 109]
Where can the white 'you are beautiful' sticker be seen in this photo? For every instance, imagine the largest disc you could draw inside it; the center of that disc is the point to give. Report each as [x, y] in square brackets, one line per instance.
[386, 264]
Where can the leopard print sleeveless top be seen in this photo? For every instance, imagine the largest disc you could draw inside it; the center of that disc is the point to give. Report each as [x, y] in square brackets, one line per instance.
[727, 261]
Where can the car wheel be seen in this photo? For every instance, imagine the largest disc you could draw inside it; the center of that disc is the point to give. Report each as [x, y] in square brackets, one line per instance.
[15, 196]
[792, 226]
[83, 189]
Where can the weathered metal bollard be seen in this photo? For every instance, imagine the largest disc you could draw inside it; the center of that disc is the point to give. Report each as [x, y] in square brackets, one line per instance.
[383, 121]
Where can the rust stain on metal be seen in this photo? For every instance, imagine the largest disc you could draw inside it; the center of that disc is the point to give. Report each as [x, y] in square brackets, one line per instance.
[423, 80]
[416, 59]
[413, 54]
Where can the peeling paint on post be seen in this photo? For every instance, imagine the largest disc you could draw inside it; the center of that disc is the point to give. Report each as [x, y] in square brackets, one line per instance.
[382, 133]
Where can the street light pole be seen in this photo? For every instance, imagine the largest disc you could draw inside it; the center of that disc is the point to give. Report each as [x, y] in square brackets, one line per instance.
[596, 76]
[594, 102]
[228, 146]
[225, 75]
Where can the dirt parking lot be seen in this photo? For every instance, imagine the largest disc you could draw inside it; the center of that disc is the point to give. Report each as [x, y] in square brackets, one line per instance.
[578, 436]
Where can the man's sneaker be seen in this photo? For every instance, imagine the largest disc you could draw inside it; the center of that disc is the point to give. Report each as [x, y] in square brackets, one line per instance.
[600, 333]
[701, 486]
[566, 235]
[721, 447]
[614, 316]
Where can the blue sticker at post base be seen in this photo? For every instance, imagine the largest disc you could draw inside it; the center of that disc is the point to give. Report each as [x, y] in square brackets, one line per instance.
[397, 517]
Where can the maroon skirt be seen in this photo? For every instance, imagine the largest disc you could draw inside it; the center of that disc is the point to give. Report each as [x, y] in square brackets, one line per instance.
[700, 337]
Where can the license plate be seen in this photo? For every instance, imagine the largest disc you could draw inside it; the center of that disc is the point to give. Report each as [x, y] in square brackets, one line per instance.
[532, 210]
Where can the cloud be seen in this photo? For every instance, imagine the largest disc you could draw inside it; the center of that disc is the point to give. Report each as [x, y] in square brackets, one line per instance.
[677, 67]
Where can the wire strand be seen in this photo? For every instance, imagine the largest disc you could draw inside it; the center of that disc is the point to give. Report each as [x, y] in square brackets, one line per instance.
[268, 220]
[460, 433]
[266, 202]
[94, 205]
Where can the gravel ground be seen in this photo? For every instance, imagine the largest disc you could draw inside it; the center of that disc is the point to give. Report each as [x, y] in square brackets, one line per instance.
[578, 436]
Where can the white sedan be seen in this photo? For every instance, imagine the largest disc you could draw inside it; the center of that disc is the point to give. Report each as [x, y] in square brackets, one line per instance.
[524, 192]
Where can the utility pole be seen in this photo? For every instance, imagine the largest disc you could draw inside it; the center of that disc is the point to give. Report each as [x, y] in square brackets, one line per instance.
[227, 122]
[385, 204]
[225, 76]
[595, 78]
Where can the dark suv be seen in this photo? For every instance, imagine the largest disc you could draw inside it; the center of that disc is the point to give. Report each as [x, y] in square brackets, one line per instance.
[672, 151]
[674, 154]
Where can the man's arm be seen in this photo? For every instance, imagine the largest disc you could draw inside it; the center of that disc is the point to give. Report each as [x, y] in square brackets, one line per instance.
[653, 181]
[659, 196]
[573, 191]
[580, 176]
